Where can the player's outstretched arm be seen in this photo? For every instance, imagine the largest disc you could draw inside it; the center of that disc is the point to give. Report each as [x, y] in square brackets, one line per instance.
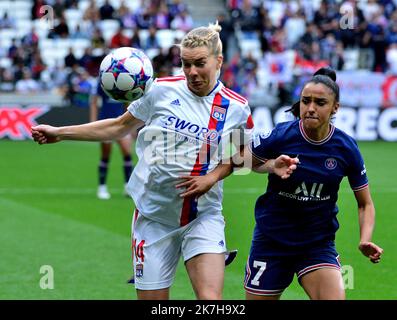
[102, 130]
[366, 214]
[196, 186]
[283, 166]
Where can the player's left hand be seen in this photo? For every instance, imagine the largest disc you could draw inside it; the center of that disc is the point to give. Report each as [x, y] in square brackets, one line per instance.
[195, 185]
[371, 250]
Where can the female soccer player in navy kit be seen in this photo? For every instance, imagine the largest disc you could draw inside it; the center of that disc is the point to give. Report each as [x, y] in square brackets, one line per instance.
[296, 218]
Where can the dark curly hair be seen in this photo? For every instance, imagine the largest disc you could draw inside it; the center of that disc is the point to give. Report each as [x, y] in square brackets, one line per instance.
[327, 77]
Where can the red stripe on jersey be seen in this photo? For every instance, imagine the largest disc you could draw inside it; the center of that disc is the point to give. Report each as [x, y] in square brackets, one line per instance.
[205, 146]
[204, 150]
[250, 122]
[133, 248]
[235, 95]
[185, 212]
[136, 215]
[231, 97]
[171, 79]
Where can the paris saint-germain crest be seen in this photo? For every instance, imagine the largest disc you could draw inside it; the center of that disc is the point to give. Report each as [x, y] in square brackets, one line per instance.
[330, 163]
[219, 113]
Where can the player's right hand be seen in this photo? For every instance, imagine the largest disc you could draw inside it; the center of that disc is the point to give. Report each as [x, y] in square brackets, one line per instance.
[195, 186]
[371, 250]
[43, 134]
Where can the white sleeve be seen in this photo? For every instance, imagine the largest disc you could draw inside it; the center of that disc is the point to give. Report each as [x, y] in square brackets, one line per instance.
[242, 133]
[143, 108]
[247, 125]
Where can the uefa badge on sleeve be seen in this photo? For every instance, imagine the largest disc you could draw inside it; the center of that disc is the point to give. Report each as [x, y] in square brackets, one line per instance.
[218, 113]
[139, 270]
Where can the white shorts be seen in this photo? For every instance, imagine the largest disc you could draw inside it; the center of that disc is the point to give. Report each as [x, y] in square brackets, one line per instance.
[157, 248]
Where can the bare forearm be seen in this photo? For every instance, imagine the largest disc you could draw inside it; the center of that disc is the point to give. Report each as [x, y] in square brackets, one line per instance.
[264, 167]
[367, 222]
[248, 160]
[102, 130]
[222, 171]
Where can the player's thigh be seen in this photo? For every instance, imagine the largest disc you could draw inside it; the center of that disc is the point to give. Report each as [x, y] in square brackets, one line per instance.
[267, 277]
[324, 284]
[319, 273]
[203, 250]
[206, 273]
[156, 252]
[160, 294]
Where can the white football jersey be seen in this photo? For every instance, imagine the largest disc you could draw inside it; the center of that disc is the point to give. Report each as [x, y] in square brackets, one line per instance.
[184, 134]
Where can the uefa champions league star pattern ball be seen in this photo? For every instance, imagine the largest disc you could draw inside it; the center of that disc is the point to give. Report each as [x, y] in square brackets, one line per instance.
[126, 74]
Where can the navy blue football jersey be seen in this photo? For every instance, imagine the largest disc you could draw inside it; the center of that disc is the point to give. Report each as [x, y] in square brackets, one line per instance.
[110, 108]
[301, 211]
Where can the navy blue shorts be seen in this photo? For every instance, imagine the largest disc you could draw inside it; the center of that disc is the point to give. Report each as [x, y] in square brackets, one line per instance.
[271, 275]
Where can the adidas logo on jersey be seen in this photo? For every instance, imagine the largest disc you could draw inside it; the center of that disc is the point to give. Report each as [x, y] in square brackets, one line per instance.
[175, 102]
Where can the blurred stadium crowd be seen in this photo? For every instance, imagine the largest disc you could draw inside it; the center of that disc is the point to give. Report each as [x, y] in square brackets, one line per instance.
[268, 44]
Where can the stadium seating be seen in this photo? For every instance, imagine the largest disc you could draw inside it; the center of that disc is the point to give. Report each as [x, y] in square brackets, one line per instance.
[249, 44]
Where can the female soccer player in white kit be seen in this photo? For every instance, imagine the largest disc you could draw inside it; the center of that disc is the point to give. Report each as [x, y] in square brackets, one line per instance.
[185, 118]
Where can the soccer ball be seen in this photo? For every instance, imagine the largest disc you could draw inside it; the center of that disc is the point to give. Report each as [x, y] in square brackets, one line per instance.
[126, 74]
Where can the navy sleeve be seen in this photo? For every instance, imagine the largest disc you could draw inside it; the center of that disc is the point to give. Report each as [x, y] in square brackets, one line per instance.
[357, 173]
[263, 144]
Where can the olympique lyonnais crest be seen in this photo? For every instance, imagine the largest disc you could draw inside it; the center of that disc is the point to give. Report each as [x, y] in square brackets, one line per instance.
[218, 113]
[139, 270]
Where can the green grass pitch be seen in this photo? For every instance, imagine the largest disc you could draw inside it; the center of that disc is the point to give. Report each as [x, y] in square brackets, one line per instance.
[49, 215]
